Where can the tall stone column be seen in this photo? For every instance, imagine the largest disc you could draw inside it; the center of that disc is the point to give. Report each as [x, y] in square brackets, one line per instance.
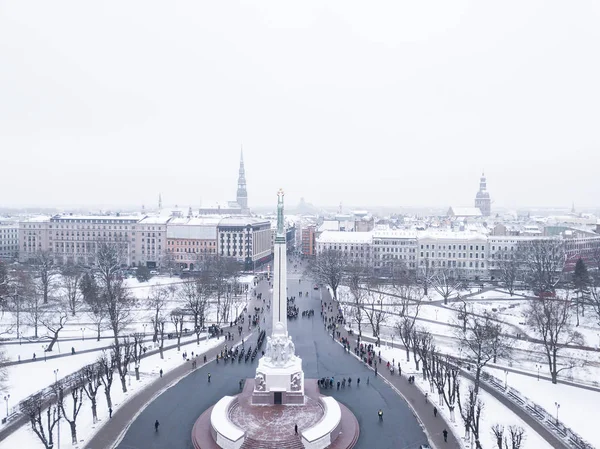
[279, 302]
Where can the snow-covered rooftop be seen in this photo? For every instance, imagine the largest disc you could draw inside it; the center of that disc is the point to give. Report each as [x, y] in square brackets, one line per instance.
[464, 212]
[345, 237]
[394, 233]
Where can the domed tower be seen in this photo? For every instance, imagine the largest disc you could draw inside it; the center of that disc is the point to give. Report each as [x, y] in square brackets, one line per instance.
[482, 199]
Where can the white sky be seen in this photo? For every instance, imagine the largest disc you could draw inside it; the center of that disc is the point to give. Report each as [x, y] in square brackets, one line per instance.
[374, 103]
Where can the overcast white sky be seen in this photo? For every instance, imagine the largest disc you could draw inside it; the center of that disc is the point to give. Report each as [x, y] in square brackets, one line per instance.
[383, 103]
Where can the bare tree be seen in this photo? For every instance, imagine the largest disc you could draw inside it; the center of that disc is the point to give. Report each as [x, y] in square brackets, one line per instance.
[581, 283]
[34, 305]
[191, 294]
[498, 432]
[106, 372]
[116, 300]
[374, 309]
[3, 370]
[550, 318]
[156, 303]
[90, 379]
[544, 261]
[594, 298]
[328, 268]
[508, 263]
[444, 284]
[122, 354]
[138, 350]
[443, 373]
[42, 419]
[21, 288]
[515, 438]
[4, 287]
[161, 320]
[220, 270]
[177, 320]
[425, 347]
[470, 411]
[355, 279]
[71, 279]
[425, 275]
[44, 264]
[91, 296]
[410, 299]
[54, 321]
[76, 402]
[483, 342]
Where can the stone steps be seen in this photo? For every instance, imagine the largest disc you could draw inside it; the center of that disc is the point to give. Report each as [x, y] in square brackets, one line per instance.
[290, 443]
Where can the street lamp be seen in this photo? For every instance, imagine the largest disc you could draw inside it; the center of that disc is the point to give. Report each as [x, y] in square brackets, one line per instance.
[538, 366]
[436, 312]
[506, 379]
[6, 398]
[44, 347]
[82, 331]
[56, 375]
[392, 341]
[557, 407]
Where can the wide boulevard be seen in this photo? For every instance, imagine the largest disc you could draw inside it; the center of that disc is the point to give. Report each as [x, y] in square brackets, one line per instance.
[178, 407]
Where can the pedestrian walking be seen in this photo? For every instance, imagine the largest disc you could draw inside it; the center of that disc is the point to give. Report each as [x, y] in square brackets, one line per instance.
[156, 424]
[368, 380]
[358, 382]
[296, 429]
[208, 377]
[160, 372]
[435, 412]
[204, 358]
[445, 432]
[426, 394]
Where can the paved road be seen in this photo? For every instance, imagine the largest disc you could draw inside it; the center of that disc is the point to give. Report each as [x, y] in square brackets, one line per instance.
[178, 408]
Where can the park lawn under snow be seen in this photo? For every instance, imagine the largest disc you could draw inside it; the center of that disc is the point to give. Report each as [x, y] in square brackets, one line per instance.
[27, 378]
[578, 406]
[493, 411]
[149, 372]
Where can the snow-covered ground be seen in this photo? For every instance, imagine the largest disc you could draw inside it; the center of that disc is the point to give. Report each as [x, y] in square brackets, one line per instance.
[576, 404]
[493, 412]
[526, 356]
[28, 378]
[149, 371]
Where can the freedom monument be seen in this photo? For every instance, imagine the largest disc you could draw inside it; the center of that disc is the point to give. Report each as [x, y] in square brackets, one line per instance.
[277, 399]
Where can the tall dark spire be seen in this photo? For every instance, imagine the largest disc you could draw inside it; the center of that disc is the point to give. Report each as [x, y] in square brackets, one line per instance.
[242, 194]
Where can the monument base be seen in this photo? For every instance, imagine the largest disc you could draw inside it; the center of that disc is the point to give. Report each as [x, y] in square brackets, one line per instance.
[279, 384]
[235, 423]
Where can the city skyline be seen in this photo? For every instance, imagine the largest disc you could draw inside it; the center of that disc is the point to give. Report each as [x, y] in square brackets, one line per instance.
[404, 108]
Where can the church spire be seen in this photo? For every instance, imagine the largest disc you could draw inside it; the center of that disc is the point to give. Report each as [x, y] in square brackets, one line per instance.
[242, 194]
[159, 201]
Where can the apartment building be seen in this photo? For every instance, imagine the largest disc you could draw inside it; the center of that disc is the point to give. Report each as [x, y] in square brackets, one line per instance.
[150, 241]
[246, 239]
[309, 240]
[394, 245]
[462, 254]
[355, 247]
[191, 240]
[9, 241]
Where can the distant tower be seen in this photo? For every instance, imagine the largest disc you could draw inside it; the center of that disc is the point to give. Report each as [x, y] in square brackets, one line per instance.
[482, 199]
[159, 202]
[242, 194]
[573, 208]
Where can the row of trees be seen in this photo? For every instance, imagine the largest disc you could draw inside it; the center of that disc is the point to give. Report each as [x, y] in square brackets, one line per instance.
[64, 399]
[106, 299]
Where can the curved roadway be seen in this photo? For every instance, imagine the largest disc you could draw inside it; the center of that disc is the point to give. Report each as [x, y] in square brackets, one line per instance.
[178, 407]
